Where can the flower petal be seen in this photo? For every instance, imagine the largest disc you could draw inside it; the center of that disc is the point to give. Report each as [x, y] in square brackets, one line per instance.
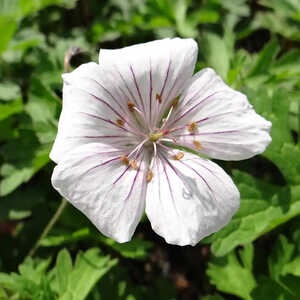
[109, 193]
[89, 114]
[226, 126]
[151, 73]
[190, 198]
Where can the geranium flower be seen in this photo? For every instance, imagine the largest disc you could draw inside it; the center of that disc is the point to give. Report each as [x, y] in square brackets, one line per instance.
[121, 122]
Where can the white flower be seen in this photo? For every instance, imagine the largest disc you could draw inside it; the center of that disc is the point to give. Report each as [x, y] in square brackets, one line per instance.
[116, 136]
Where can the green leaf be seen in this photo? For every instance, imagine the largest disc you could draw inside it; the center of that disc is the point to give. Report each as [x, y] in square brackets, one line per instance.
[280, 256]
[230, 276]
[10, 108]
[43, 107]
[216, 53]
[263, 208]
[65, 238]
[63, 269]
[9, 91]
[88, 269]
[136, 249]
[265, 58]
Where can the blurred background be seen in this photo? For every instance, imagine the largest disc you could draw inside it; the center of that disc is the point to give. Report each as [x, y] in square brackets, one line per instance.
[254, 46]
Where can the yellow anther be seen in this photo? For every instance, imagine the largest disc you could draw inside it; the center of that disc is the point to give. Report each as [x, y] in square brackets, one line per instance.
[120, 123]
[149, 176]
[131, 106]
[192, 127]
[197, 145]
[158, 98]
[124, 160]
[154, 137]
[133, 164]
[178, 156]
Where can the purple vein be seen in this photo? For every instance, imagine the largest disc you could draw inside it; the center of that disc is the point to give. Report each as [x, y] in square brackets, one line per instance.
[137, 88]
[192, 108]
[150, 92]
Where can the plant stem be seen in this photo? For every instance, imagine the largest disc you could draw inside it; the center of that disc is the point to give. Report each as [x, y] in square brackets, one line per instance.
[49, 226]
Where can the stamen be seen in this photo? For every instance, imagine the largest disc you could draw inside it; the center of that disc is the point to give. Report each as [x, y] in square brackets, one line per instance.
[133, 164]
[192, 127]
[197, 145]
[120, 122]
[175, 101]
[178, 156]
[159, 98]
[149, 176]
[131, 106]
[124, 160]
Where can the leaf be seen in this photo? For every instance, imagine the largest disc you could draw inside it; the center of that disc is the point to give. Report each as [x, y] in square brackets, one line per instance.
[263, 208]
[65, 238]
[216, 53]
[43, 107]
[88, 269]
[280, 256]
[136, 248]
[265, 58]
[63, 268]
[10, 108]
[9, 91]
[230, 276]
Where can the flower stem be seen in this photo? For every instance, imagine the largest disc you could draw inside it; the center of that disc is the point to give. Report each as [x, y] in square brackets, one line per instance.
[49, 226]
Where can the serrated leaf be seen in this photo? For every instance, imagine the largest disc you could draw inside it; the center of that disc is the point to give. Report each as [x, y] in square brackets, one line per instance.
[263, 207]
[230, 276]
[88, 269]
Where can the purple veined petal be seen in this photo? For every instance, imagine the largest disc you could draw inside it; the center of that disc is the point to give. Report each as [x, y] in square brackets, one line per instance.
[226, 125]
[189, 199]
[86, 116]
[159, 68]
[109, 193]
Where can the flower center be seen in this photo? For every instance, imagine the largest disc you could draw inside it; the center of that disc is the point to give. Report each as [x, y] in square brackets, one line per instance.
[154, 137]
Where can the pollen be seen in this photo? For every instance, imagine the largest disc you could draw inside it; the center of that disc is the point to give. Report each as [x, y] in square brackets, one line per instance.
[131, 106]
[124, 160]
[192, 127]
[178, 156]
[159, 98]
[120, 122]
[197, 145]
[149, 176]
[133, 164]
[154, 137]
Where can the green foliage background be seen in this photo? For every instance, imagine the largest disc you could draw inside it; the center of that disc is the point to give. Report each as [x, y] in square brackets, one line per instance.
[254, 46]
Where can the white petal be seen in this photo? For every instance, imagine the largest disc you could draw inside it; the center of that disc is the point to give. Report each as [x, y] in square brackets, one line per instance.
[110, 194]
[189, 199]
[160, 67]
[89, 113]
[228, 128]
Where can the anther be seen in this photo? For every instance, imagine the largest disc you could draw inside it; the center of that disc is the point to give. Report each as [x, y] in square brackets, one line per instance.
[192, 127]
[149, 176]
[120, 122]
[178, 156]
[158, 98]
[133, 164]
[175, 101]
[131, 106]
[197, 145]
[124, 160]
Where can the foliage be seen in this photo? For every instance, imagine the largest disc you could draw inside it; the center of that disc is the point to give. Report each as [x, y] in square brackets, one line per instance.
[254, 46]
